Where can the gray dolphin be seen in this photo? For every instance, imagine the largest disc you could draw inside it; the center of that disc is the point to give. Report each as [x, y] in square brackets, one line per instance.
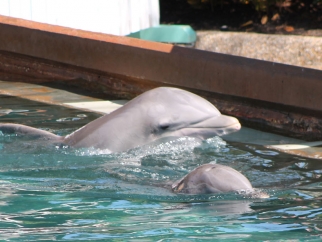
[212, 178]
[160, 112]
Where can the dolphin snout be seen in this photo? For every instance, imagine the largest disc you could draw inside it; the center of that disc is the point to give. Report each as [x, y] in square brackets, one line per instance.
[224, 121]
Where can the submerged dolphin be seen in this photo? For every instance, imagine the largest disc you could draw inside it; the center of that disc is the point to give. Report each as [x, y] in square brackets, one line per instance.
[160, 112]
[212, 178]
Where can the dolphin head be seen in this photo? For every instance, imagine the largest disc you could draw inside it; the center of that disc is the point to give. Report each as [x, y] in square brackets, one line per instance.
[175, 112]
[212, 178]
[158, 113]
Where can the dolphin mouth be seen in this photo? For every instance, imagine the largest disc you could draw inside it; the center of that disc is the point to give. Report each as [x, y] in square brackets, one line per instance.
[215, 126]
[219, 122]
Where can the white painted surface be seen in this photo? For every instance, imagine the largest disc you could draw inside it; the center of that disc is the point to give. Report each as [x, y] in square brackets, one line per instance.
[118, 17]
[98, 106]
[303, 145]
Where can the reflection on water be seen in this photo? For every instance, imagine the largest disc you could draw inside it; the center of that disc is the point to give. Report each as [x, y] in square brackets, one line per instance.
[51, 193]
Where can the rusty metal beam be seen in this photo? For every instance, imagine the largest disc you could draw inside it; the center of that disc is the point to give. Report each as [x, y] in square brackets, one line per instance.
[282, 97]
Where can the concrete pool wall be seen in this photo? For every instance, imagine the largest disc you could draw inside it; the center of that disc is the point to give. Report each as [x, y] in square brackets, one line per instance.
[304, 51]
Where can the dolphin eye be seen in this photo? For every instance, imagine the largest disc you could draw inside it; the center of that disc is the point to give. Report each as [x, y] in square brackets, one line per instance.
[164, 126]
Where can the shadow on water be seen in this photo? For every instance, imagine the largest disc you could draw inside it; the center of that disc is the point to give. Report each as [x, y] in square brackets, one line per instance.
[63, 194]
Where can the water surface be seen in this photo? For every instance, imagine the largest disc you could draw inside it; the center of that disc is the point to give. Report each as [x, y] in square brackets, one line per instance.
[63, 194]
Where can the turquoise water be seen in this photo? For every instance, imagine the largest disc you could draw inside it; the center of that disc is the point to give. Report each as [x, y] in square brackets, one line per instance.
[61, 194]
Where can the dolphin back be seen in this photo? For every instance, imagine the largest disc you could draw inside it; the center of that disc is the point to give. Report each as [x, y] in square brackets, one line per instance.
[19, 129]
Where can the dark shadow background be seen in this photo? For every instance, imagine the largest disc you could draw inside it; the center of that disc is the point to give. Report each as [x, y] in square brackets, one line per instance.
[301, 17]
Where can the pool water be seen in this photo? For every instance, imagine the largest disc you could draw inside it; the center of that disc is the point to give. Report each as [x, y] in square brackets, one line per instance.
[63, 194]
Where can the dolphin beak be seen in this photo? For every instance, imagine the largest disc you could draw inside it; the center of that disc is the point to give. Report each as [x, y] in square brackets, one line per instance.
[224, 121]
[218, 122]
[219, 125]
[226, 125]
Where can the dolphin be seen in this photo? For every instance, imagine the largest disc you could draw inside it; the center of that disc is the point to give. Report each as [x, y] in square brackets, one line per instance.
[212, 178]
[157, 113]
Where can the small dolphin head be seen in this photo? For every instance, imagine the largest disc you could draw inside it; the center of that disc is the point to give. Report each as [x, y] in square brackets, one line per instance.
[175, 112]
[212, 178]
